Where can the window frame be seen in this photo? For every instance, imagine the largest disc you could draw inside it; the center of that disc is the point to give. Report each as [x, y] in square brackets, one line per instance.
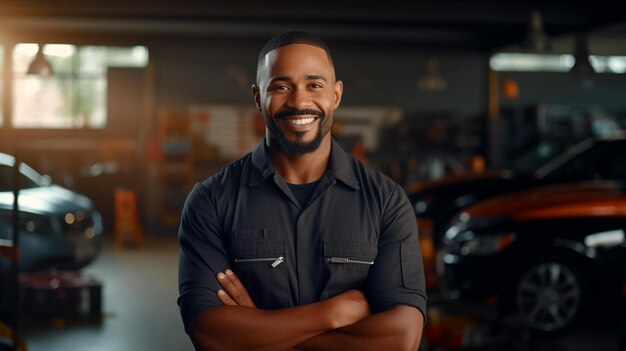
[40, 133]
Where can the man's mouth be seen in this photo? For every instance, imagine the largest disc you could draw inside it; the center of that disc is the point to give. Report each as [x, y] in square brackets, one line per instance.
[298, 114]
[301, 121]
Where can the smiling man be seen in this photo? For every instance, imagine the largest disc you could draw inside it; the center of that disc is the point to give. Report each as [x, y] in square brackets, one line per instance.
[298, 109]
[298, 245]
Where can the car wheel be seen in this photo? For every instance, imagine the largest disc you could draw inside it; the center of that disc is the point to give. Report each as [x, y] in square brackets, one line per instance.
[549, 296]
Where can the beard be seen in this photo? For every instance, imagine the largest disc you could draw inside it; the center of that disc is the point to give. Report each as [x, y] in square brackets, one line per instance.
[295, 148]
[298, 147]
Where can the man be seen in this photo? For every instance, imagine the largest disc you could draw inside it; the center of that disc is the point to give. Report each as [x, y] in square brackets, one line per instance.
[298, 245]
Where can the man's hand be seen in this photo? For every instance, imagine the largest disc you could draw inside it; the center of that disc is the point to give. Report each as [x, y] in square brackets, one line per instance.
[234, 293]
[314, 326]
[349, 307]
[239, 325]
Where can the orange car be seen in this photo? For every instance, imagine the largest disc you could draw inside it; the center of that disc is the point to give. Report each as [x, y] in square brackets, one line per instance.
[436, 201]
[550, 254]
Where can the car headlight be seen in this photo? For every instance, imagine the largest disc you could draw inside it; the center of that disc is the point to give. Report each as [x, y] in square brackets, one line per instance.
[486, 245]
[457, 225]
[607, 239]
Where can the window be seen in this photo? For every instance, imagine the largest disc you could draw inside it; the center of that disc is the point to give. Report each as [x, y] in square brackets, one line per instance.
[75, 95]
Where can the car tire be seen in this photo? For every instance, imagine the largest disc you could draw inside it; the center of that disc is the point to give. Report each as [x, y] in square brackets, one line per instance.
[550, 295]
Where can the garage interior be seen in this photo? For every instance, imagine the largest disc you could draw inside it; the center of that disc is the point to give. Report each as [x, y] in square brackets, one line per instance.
[146, 98]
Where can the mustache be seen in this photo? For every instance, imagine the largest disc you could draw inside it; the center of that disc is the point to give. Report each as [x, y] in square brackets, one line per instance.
[294, 112]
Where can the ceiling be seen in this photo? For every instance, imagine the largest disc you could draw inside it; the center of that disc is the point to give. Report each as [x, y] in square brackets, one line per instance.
[483, 26]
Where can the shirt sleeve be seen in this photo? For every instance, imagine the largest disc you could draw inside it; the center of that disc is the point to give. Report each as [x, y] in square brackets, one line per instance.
[397, 275]
[202, 254]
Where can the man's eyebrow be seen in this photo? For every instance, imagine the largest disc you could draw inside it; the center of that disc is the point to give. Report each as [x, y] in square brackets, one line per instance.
[316, 77]
[287, 79]
[279, 78]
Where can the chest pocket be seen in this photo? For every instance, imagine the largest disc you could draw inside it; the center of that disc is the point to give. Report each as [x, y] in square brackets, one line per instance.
[346, 265]
[261, 266]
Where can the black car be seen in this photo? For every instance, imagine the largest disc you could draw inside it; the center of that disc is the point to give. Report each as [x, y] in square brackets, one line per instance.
[436, 202]
[550, 254]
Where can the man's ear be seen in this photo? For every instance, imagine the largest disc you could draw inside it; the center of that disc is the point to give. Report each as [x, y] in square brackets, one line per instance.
[338, 92]
[256, 95]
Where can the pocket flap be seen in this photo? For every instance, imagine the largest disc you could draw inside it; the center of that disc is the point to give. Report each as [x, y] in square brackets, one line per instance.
[350, 249]
[258, 247]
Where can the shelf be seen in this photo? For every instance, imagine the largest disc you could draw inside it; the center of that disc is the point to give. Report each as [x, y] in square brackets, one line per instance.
[176, 166]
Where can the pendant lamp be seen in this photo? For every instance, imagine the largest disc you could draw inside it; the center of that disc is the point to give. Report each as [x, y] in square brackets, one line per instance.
[582, 65]
[40, 66]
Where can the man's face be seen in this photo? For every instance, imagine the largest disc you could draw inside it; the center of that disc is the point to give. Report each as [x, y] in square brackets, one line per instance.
[298, 95]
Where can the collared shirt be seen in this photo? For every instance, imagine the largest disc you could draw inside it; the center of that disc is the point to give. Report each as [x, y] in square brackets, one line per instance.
[357, 230]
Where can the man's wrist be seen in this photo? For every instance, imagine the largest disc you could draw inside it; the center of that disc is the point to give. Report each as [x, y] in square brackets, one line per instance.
[330, 313]
[345, 309]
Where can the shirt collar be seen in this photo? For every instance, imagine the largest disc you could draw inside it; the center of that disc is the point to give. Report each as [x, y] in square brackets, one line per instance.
[339, 166]
[261, 166]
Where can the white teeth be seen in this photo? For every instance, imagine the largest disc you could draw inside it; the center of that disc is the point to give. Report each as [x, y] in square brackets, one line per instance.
[301, 121]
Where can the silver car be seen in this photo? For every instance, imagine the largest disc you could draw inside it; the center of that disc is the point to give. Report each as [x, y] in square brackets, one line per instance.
[59, 228]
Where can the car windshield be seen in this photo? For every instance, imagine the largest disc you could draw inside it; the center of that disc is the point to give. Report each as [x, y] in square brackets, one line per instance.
[600, 159]
[537, 157]
[29, 177]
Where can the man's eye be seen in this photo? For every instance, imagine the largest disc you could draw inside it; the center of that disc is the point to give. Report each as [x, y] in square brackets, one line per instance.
[280, 87]
[315, 85]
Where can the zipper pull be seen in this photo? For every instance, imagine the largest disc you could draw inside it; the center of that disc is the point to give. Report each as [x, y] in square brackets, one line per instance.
[278, 261]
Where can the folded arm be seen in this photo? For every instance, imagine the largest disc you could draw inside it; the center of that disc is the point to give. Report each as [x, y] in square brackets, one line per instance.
[399, 328]
[239, 325]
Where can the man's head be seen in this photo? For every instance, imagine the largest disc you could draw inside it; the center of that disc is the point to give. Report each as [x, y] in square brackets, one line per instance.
[289, 38]
[297, 92]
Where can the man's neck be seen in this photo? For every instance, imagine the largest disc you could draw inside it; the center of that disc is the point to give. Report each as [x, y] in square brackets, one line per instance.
[303, 169]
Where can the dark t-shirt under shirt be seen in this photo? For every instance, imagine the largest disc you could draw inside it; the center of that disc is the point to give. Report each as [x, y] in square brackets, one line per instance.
[302, 192]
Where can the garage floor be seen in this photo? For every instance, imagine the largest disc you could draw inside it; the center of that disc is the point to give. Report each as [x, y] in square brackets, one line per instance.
[139, 305]
[140, 311]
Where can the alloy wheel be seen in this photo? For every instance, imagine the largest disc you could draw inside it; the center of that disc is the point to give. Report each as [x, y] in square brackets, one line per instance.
[549, 296]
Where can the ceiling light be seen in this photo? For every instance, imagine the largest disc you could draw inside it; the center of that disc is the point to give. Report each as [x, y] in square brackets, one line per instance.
[40, 66]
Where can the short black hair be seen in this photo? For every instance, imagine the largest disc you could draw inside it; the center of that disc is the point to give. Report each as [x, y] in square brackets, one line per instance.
[293, 37]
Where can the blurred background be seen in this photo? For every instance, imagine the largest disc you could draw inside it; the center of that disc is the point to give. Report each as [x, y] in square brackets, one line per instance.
[503, 121]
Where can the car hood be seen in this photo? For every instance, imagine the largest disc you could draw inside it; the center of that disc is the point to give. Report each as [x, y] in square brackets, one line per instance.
[47, 199]
[556, 201]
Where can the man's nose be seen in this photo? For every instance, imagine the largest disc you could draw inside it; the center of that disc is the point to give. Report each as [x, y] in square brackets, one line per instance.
[300, 99]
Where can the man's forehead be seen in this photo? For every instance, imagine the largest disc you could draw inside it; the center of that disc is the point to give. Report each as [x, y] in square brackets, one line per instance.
[288, 51]
[300, 55]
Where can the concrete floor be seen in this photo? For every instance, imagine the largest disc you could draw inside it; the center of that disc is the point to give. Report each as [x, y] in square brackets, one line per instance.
[139, 305]
[140, 311]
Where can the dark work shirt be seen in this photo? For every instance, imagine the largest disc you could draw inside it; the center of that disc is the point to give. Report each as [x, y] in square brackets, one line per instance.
[357, 231]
